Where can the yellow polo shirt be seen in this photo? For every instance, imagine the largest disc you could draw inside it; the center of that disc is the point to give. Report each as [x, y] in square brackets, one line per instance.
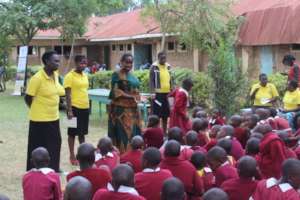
[291, 100]
[45, 92]
[165, 78]
[263, 94]
[79, 84]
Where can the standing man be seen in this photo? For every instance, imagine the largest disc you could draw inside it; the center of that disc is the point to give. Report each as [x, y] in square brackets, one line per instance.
[42, 98]
[161, 85]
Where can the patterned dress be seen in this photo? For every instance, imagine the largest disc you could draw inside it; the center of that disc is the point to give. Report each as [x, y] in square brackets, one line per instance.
[124, 118]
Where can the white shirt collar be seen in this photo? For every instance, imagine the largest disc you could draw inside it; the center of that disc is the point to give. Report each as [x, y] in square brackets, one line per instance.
[184, 90]
[225, 163]
[99, 156]
[123, 189]
[44, 170]
[284, 187]
[271, 182]
[149, 170]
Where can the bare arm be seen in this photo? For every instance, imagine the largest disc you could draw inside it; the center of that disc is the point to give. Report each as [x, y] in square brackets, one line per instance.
[69, 103]
[28, 100]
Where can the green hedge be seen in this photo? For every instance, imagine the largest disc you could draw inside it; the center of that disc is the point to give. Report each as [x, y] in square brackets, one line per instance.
[12, 70]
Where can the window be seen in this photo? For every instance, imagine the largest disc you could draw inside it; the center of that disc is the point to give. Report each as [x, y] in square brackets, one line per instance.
[67, 50]
[32, 50]
[121, 47]
[113, 47]
[182, 47]
[171, 46]
[129, 48]
[295, 47]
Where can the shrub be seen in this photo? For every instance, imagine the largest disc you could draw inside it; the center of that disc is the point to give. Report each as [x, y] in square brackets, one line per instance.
[10, 73]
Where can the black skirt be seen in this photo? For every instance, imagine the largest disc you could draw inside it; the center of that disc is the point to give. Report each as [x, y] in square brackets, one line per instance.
[82, 116]
[45, 134]
[160, 105]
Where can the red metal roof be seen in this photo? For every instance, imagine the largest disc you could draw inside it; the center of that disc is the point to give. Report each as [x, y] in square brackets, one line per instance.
[269, 22]
[121, 25]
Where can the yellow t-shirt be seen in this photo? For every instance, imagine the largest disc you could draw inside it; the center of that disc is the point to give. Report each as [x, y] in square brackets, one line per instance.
[45, 92]
[264, 94]
[291, 100]
[165, 78]
[79, 85]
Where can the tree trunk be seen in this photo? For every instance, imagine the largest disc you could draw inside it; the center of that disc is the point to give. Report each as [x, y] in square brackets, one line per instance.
[71, 54]
[163, 42]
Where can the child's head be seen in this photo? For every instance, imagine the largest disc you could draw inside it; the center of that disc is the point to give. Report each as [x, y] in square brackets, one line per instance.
[172, 149]
[153, 121]
[198, 160]
[214, 131]
[252, 146]
[201, 114]
[216, 156]
[236, 120]
[199, 124]
[78, 188]
[226, 131]
[247, 167]
[252, 120]
[40, 157]
[192, 138]
[216, 113]
[195, 110]
[187, 84]
[137, 142]
[215, 194]
[175, 133]
[86, 154]
[105, 145]
[226, 144]
[256, 135]
[151, 158]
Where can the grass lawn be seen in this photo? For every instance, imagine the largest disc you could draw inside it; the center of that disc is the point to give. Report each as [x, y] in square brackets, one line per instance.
[13, 136]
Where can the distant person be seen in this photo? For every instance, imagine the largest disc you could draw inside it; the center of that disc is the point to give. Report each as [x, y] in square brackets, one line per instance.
[2, 78]
[41, 182]
[173, 189]
[294, 73]
[124, 118]
[98, 177]
[42, 98]
[121, 187]
[78, 188]
[161, 84]
[179, 115]
[76, 84]
[149, 182]
[264, 94]
[154, 134]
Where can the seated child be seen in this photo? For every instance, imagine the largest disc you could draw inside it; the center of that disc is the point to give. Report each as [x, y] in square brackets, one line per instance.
[199, 161]
[252, 147]
[78, 188]
[216, 118]
[201, 114]
[133, 157]
[243, 187]
[179, 115]
[192, 142]
[213, 137]
[106, 154]
[153, 135]
[196, 110]
[226, 144]
[240, 133]
[41, 183]
[215, 194]
[223, 170]
[201, 127]
[86, 157]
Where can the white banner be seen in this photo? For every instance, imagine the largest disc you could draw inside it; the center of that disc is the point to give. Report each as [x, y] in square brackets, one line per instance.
[21, 70]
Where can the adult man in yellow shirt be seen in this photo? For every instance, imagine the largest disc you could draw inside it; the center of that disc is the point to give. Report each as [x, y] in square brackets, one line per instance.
[76, 85]
[264, 94]
[42, 97]
[161, 85]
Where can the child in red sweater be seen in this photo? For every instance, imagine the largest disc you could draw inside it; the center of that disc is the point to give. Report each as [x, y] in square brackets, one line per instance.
[153, 135]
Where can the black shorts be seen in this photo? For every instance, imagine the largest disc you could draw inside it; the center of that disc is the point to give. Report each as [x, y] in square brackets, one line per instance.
[161, 108]
[45, 134]
[82, 116]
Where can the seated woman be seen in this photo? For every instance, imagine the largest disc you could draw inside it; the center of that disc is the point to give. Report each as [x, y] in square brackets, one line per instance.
[263, 94]
[124, 119]
[291, 101]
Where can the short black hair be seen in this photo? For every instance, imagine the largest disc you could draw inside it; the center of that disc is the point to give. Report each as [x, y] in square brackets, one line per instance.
[293, 83]
[161, 53]
[252, 146]
[152, 156]
[288, 59]
[79, 58]
[153, 120]
[198, 159]
[187, 83]
[262, 75]
[47, 55]
[125, 56]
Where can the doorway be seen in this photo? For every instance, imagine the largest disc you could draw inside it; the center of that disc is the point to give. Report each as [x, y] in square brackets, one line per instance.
[142, 56]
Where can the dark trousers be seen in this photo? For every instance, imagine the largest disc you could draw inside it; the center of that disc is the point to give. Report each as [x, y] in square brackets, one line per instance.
[45, 134]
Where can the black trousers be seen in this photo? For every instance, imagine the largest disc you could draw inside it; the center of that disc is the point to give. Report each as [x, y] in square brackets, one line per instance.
[45, 134]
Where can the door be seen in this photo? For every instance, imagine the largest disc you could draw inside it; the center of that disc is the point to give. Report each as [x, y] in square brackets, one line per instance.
[266, 60]
[142, 55]
[107, 56]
